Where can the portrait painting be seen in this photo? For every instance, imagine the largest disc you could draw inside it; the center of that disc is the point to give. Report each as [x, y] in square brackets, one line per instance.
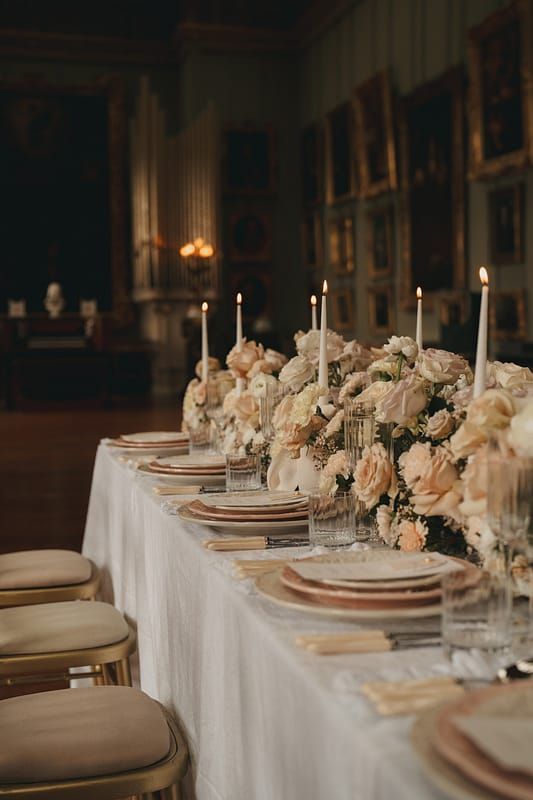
[249, 161]
[380, 311]
[312, 165]
[250, 236]
[506, 224]
[376, 155]
[432, 200]
[340, 158]
[342, 305]
[508, 315]
[58, 142]
[501, 92]
[312, 240]
[380, 238]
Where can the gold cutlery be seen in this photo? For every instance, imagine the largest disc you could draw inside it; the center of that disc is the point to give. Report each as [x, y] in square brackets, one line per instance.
[372, 641]
[253, 543]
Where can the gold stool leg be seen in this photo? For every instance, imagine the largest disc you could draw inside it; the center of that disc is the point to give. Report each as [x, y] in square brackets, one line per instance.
[123, 672]
[99, 680]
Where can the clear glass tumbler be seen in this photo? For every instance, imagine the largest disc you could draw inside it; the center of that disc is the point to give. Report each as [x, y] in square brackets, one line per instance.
[332, 519]
[243, 472]
[360, 432]
[267, 406]
[201, 438]
[476, 622]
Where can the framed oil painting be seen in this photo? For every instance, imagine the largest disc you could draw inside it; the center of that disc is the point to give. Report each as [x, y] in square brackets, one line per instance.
[342, 308]
[508, 315]
[249, 161]
[312, 248]
[312, 165]
[376, 153]
[380, 311]
[380, 242]
[340, 159]
[59, 142]
[250, 236]
[506, 224]
[432, 205]
[501, 94]
[452, 309]
[341, 245]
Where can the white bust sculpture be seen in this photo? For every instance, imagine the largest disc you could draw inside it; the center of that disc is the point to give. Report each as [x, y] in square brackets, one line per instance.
[54, 302]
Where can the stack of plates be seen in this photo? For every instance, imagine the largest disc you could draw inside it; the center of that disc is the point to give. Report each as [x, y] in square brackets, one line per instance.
[190, 469]
[153, 442]
[257, 513]
[362, 585]
[480, 745]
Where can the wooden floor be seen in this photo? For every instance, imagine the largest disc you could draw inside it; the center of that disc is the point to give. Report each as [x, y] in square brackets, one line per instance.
[46, 462]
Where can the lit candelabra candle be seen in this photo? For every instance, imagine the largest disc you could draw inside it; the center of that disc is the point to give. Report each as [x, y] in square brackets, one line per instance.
[240, 383]
[314, 323]
[323, 352]
[419, 318]
[205, 345]
[480, 377]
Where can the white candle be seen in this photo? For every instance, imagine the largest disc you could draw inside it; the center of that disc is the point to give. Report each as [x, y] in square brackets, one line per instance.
[314, 323]
[419, 318]
[323, 352]
[480, 379]
[239, 322]
[205, 345]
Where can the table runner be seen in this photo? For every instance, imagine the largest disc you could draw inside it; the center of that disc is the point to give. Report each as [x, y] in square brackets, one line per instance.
[263, 718]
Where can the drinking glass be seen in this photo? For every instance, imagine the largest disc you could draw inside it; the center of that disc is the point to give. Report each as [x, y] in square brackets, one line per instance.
[214, 412]
[360, 432]
[243, 472]
[332, 519]
[200, 438]
[476, 622]
[267, 406]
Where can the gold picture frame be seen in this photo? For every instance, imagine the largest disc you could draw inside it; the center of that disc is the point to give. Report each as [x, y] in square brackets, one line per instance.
[452, 309]
[432, 200]
[506, 224]
[380, 242]
[374, 135]
[381, 317]
[342, 309]
[499, 57]
[341, 178]
[312, 245]
[508, 319]
[312, 164]
[342, 245]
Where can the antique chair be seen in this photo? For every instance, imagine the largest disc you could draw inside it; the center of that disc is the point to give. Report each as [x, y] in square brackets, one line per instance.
[40, 644]
[98, 743]
[28, 577]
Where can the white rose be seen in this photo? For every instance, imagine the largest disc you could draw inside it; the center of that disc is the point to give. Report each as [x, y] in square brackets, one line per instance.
[405, 400]
[275, 359]
[511, 376]
[386, 530]
[296, 373]
[385, 366]
[309, 345]
[262, 384]
[440, 424]
[402, 344]
[213, 364]
[521, 432]
[354, 384]
[440, 366]
[375, 392]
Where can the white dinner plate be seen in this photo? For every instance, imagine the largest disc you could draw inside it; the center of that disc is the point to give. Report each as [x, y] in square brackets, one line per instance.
[174, 479]
[269, 585]
[192, 460]
[155, 437]
[254, 499]
[270, 528]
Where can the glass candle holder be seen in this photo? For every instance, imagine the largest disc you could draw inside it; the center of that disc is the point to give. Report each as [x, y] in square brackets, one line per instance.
[243, 472]
[332, 519]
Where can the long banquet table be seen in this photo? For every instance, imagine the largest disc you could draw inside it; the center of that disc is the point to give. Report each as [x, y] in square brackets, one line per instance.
[264, 719]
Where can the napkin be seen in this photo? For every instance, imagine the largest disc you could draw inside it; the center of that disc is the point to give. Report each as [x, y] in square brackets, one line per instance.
[505, 740]
[408, 697]
[389, 567]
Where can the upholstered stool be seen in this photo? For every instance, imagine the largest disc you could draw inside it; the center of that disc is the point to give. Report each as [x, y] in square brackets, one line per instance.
[97, 743]
[41, 643]
[46, 576]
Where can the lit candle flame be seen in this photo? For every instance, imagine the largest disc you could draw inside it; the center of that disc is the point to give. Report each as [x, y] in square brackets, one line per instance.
[325, 287]
[187, 249]
[483, 276]
[239, 298]
[198, 242]
[419, 293]
[313, 299]
[204, 307]
[206, 251]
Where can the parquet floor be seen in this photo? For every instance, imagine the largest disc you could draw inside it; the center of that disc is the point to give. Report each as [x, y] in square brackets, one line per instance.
[46, 462]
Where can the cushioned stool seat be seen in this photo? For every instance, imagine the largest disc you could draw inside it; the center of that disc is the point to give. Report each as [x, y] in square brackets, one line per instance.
[79, 733]
[33, 569]
[57, 627]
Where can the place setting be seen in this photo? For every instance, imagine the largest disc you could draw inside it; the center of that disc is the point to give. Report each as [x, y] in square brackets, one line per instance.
[188, 469]
[143, 446]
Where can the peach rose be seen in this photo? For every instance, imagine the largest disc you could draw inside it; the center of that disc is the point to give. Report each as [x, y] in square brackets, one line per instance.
[375, 392]
[521, 432]
[200, 393]
[511, 376]
[474, 481]
[308, 345]
[260, 367]
[372, 476]
[246, 409]
[492, 411]
[386, 530]
[213, 365]
[290, 435]
[431, 477]
[354, 384]
[440, 366]
[440, 424]
[466, 440]
[275, 359]
[412, 535]
[354, 357]
[405, 400]
[296, 373]
[335, 424]
[241, 361]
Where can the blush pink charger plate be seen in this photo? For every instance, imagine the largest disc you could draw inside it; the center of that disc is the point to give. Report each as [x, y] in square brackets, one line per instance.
[455, 764]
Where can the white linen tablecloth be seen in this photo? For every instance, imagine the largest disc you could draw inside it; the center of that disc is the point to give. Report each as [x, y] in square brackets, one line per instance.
[264, 719]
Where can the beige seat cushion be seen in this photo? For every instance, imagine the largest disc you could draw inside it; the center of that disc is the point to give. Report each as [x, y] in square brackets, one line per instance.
[33, 569]
[53, 627]
[79, 733]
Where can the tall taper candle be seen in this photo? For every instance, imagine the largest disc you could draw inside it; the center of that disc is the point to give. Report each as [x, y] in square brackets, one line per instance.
[205, 345]
[323, 352]
[480, 379]
[419, 318]
[314, 323]
[238, 341]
